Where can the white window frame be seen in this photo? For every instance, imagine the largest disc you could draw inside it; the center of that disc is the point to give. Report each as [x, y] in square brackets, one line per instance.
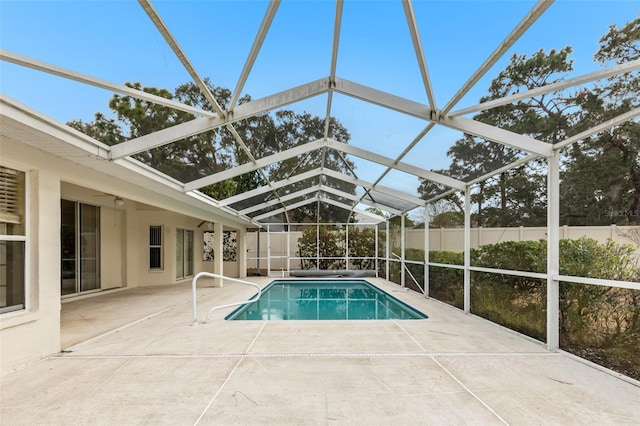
[26, 238]
[152, 246]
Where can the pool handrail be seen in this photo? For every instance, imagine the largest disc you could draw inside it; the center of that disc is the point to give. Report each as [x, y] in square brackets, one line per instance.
[222, 277]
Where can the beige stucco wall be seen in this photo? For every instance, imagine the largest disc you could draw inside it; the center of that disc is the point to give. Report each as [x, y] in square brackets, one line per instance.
[32, 333]
[125, 236]
[28, 335]
[141, 218]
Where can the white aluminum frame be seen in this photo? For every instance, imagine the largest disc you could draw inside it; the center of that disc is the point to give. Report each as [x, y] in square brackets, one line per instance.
[120, 159]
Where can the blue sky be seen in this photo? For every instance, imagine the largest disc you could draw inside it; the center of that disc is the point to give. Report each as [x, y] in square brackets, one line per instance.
[115, 41]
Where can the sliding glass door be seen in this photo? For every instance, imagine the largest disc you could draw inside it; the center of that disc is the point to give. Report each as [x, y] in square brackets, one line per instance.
[80, 239]
[184, 253]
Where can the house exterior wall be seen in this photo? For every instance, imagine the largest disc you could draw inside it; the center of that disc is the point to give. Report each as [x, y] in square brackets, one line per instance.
[125, 240]
[32, 333]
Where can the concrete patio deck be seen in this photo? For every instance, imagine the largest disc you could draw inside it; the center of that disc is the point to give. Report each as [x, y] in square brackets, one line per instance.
[133, 359]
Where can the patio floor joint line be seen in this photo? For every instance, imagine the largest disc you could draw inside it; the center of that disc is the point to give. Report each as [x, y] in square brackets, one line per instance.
[229, 376]
[318, 355]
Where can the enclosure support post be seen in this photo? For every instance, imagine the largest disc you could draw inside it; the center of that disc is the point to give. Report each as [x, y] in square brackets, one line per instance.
[288, 248]
[553, 251]
[259, 255]
[218, 257]
[402, 242]
[242, 252]
[467, 250]
[376, 251]
[268, 250]
[318, 235]
[387, 250]
[346, 245]
[426, 250]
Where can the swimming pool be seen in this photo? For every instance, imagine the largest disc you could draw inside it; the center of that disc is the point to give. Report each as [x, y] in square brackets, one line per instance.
[324, 300]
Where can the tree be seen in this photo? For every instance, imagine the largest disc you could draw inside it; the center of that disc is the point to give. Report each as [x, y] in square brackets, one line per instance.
[216, 150]
[362, 247]
[103, 129]
[601, 183]
[184, 160]
[322, 248]
[517, 196]
[448, 219]
[295, 129]
[600, 176]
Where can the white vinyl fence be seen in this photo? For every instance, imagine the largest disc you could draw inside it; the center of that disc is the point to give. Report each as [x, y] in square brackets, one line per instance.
[452, 239]
[278, 250]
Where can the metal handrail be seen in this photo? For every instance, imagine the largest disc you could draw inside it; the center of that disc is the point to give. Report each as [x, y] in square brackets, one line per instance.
[410, 274]
[235, 280]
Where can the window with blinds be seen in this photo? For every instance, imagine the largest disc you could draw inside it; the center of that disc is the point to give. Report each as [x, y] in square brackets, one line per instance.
[155, 247]
[11, 196]
[13, 240]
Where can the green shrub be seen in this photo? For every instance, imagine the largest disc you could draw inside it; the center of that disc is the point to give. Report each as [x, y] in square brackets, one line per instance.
[597, 322]
[447, 284]
[530, 256]
[362, 248]
[328, 241]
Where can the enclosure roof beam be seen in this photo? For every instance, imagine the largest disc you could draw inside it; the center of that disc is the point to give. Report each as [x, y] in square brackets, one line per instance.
[253, 54]
[205, 198]
[317, 189]
[559, 85]
[417, 47]
[334, 191]
[629, 115]
[496, 134]
[536, 11]
[503, 169]
[441, 196]
[383, 99]
[92, 81]
[338, 146]
[404, 167]
[250, 167]
[201, 125]
[177, 50]
[337, 24]
[322, 200]
[382, 189]
[285, 209]
[419, 110]
[326, 172]
[353, 209]
[281, 200]
[274, 185]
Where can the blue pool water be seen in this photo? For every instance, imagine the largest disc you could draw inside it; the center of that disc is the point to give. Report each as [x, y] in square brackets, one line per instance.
[324, 300]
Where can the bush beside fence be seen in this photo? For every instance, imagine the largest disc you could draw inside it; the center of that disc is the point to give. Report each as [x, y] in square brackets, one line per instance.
[599, 323]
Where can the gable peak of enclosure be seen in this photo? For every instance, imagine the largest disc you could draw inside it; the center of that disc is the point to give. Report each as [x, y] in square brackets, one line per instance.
[351, 108]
